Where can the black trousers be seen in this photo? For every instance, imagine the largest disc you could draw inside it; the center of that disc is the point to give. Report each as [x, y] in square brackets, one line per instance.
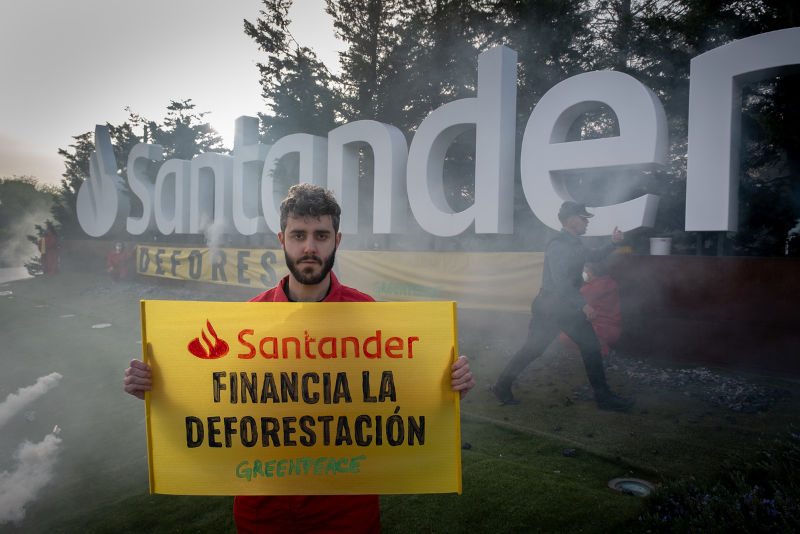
[548, 319]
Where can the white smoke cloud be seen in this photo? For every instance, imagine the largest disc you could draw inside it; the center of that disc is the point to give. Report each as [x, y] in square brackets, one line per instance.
[15, 402]
[214, 233]
[17, 249]
[35, 464]
[215, 236]
[795, 230]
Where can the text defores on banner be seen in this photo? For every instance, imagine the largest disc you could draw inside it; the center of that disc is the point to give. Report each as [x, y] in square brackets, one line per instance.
[478, 280]
[241, 267]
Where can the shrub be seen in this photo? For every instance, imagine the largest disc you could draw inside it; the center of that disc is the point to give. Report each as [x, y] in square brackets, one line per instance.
[756, 496]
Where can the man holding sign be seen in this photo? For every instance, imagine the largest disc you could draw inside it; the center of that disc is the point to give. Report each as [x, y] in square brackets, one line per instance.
[309, 237]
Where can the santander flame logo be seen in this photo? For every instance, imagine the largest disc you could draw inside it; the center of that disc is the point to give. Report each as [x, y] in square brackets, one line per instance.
[212, 350]
[102, 204]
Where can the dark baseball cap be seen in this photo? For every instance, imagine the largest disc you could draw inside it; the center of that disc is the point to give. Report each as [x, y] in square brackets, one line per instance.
[569, 208]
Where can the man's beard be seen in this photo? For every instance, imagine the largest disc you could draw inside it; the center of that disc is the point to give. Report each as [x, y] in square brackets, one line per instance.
[309, 279]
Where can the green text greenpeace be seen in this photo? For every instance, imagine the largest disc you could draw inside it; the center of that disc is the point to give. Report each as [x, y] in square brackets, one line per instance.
[298, 466]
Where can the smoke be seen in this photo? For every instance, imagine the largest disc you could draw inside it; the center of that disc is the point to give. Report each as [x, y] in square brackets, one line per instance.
[795, 230]
[17, 249]
[15, 402]
[215, 235]
[35, 463]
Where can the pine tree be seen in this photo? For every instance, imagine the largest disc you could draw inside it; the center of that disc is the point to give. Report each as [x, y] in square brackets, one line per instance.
[76, 163]
[296, 86]
[184, 133]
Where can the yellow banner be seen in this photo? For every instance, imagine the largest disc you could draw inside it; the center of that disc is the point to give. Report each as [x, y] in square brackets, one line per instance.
[261, 269]
[301, 398]
[481, 280]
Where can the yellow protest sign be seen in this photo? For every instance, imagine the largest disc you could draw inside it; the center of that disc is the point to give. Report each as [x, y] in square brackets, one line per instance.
[269, 398]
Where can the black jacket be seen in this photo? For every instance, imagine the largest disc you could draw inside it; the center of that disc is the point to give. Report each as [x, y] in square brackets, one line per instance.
[564, 259]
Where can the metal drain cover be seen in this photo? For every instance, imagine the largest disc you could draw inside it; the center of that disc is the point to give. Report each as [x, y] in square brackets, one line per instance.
[631, 486]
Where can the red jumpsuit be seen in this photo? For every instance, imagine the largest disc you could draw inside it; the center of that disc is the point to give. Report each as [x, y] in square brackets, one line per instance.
[602, 294]
[118, 264]
[350, 514]
[49, 249]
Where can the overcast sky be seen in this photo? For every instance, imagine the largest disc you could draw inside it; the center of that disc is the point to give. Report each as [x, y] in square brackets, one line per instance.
[66, 65]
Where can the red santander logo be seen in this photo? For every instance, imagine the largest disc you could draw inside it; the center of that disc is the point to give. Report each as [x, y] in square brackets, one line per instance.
[212, 349]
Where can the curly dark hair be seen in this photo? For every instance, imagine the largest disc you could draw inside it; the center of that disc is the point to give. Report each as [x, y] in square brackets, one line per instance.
[312, 200]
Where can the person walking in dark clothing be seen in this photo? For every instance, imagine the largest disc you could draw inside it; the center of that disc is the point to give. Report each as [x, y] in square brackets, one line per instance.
[560, 307]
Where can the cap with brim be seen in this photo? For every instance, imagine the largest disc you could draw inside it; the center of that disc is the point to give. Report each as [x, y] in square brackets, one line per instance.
[569, 208]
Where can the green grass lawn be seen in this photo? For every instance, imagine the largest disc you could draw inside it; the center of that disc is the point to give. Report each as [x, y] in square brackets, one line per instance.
[515, 475]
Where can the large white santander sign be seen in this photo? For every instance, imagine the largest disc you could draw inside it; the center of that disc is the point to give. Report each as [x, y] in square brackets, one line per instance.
[237, 194]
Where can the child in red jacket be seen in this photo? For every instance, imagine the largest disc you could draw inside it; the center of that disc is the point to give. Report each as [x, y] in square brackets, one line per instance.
[602, 294]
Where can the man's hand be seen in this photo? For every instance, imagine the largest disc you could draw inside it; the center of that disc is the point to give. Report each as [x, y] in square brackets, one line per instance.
[461, 377]
[589, 311]
[617, 236]
[137, 379]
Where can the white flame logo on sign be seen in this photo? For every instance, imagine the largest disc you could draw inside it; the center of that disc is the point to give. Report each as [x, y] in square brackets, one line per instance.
[102, 203]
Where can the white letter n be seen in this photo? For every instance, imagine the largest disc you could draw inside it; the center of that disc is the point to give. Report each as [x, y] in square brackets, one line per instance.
[712, 175]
